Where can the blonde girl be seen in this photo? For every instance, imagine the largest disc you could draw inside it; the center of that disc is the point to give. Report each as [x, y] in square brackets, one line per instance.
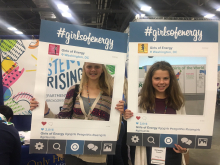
[92, 103]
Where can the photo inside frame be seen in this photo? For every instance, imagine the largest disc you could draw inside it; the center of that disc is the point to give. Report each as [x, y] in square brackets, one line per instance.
[190, 73]
[63, 74]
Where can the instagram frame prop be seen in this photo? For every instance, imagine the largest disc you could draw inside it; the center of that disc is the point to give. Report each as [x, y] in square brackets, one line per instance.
[187, 39]
[76, 44]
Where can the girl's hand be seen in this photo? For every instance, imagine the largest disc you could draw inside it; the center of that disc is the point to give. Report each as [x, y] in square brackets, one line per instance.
[34, 105]
[179, 149]
[120, 106]
[128, 114]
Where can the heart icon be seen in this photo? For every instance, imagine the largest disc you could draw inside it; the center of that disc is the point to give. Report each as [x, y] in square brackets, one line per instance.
[138, 117]
[42, 129]
[43, 122]
[50, 124]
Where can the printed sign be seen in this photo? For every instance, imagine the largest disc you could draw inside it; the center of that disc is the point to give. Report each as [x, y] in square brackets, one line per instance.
[180, 72]
[62, 53]
[201, 72]
[190, 79]
[62, 74]
[174, 39]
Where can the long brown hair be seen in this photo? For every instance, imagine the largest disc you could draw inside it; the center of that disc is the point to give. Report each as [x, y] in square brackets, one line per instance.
[105, 81]
[174, 96]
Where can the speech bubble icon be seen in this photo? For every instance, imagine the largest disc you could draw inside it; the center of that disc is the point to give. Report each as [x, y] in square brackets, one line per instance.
[90, 146]
[184, 140]
[95, 148]
[189, 142]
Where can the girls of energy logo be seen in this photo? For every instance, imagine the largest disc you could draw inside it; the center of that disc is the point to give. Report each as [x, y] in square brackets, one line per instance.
[142, 48]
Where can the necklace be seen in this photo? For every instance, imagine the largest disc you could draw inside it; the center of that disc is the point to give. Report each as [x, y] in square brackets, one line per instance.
[90, 109]
[88, 98]
[165, 110]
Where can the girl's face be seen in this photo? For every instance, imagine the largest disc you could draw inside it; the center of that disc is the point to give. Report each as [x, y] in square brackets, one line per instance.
[161, 81]
[93, 71]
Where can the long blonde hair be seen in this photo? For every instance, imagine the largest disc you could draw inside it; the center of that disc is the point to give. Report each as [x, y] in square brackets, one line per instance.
[105, 81]
[174, 95]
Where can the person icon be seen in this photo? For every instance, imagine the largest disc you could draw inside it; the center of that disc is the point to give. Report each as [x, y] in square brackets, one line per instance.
[55, 49]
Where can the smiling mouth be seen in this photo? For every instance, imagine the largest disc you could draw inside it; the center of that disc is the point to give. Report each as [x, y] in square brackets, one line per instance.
[93, 74]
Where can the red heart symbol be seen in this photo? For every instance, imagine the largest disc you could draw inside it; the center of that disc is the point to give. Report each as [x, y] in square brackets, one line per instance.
[138, 117]
[43, 123]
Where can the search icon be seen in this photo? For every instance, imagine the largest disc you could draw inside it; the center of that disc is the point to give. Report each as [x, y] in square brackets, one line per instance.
[56, 146]
[150, 139]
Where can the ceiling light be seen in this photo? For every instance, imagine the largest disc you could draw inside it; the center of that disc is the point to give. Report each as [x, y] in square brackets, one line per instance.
[66, 15]
[137, 16]
[53, 16]
[218, 9]
[62, 7]
[209, 15]
[145, 8]
[12, 28]
[18, 32]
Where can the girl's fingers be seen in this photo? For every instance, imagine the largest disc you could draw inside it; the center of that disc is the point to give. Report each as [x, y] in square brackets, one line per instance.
[176, 149]
[179, 149]
[120, 106]
[33, 101]
[128, 114]
[33, 104]
[32, 108]
[120, 103]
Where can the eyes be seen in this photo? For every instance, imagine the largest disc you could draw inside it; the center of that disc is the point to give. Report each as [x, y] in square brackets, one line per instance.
[158, 78]
[95, 67]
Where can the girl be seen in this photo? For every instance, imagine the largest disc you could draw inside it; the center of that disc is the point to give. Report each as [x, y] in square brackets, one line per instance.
[92, 103]
[160, 94]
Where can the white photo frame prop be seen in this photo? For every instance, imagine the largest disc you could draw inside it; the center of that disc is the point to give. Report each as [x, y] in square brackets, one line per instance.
[197, 39]
[65, 136]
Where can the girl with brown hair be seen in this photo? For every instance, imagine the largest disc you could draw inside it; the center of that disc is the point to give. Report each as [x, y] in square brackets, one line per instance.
[160, 94]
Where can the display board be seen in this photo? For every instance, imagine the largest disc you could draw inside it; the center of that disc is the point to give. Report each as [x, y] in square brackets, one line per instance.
[180, 72]
[190, 79]
[200, 76]
[174, 39]
[66, 47]
[62, 74]
[18, 75]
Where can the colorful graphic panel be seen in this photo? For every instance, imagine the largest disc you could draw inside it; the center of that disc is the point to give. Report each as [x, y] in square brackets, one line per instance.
[19, 62]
